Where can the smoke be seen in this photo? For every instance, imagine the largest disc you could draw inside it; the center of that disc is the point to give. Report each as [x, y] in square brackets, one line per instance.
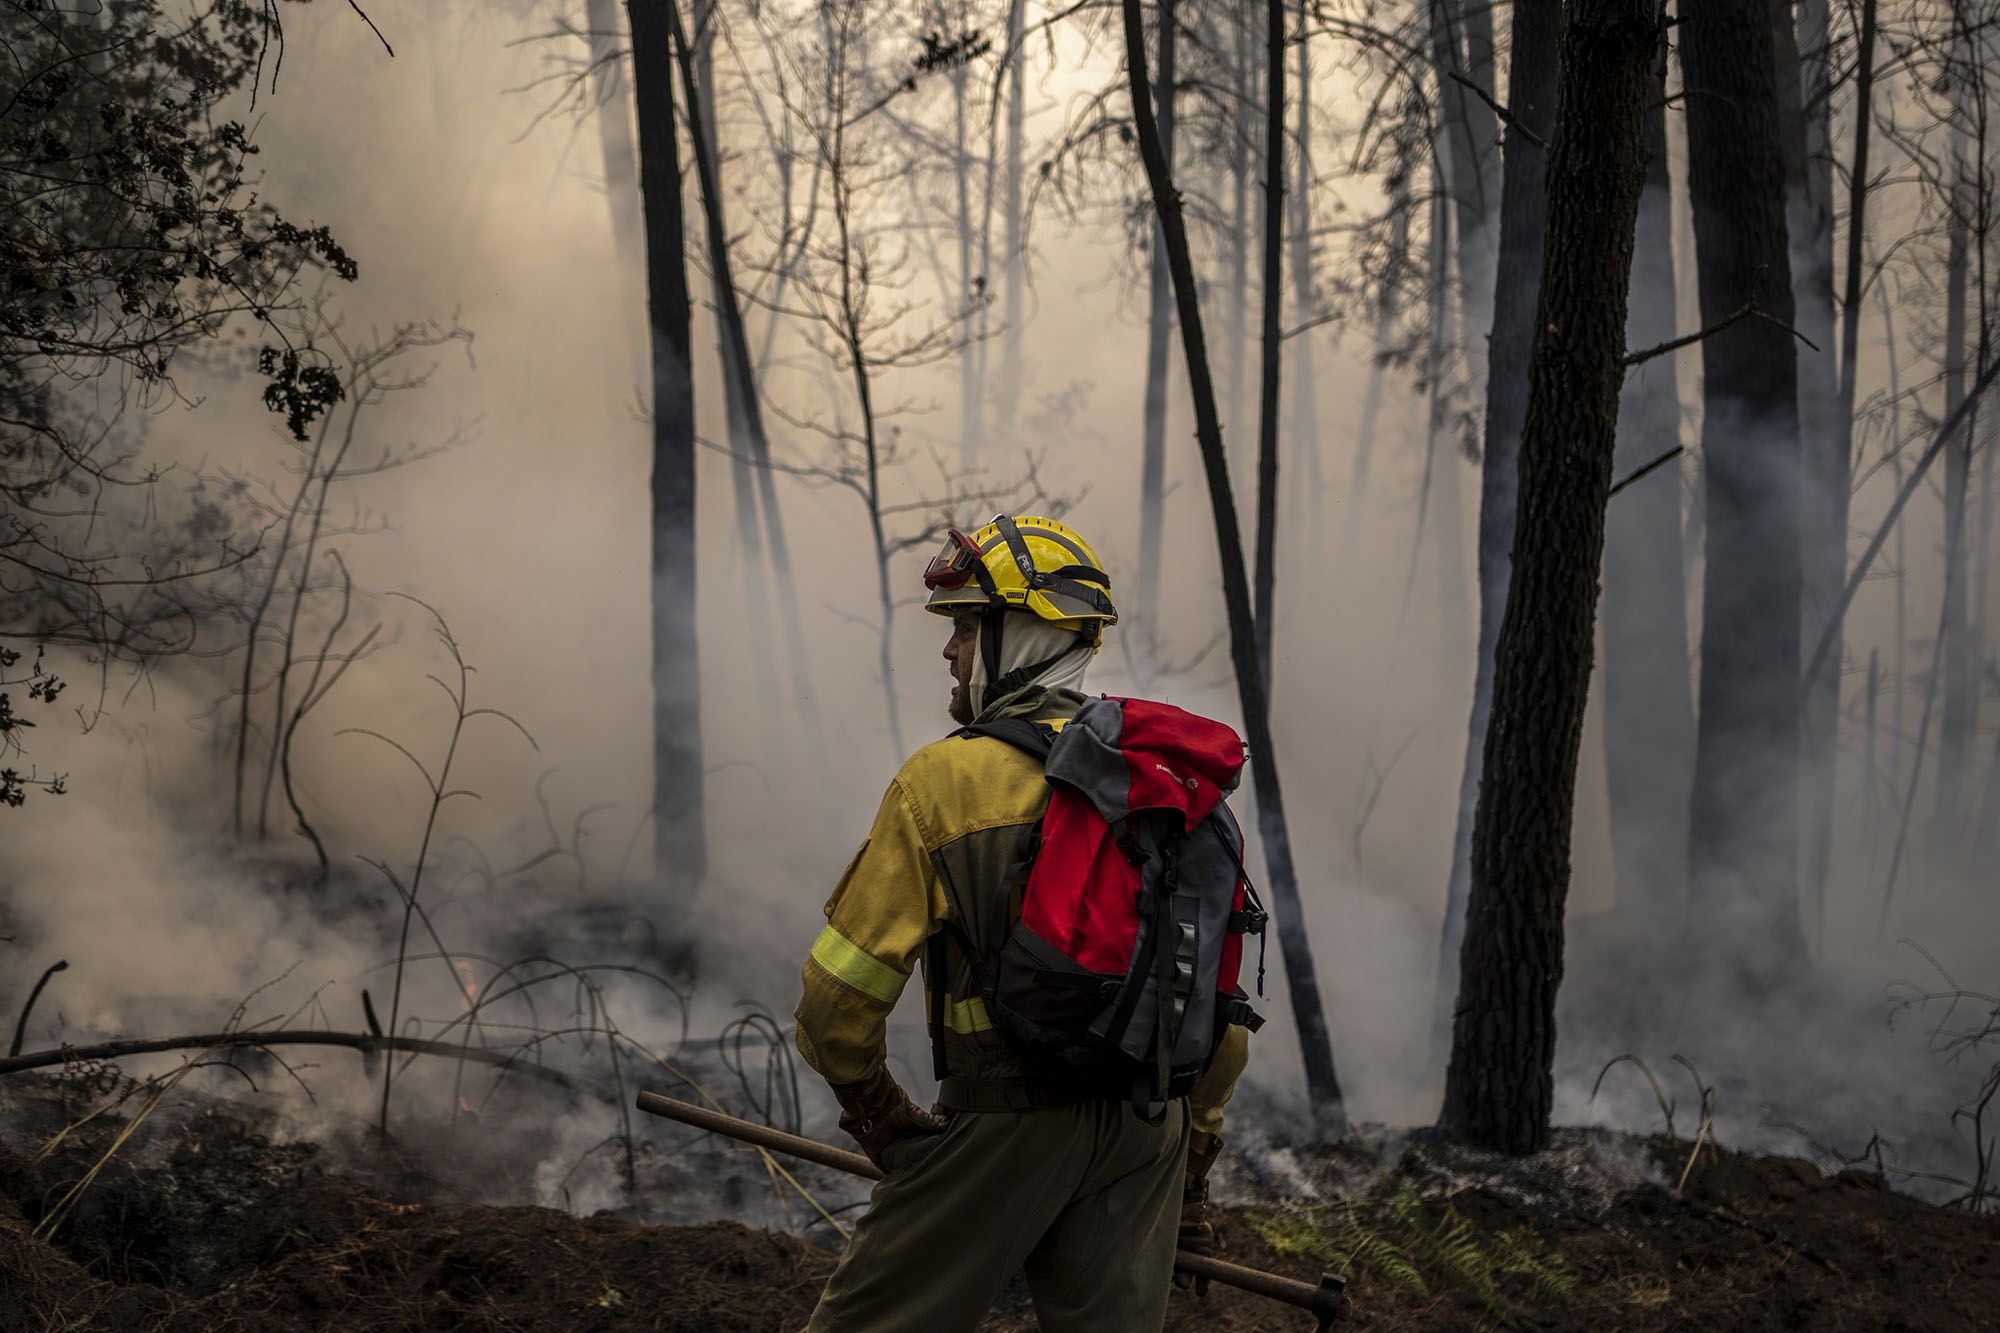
[530, 540]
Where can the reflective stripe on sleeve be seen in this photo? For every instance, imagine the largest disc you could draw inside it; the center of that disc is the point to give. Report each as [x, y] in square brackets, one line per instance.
[849, 963]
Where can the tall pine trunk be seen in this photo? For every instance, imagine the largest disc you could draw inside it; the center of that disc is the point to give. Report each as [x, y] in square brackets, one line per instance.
[1388, 309]
[738, 387]
[1473, 179]
[1301, 978]
[1850, 341]
[1804, 101]
[1499, 1088]
[1531, 97]
[679, 841]
[1743, 837]
[971, 272]
[1309, 499]
[1648, 695]
[1955, 722]
[1469, 128]
[1241, 163]
[1159, 332]
[614, 127]
[1006, 404]
[750, 443]
[1272, 360]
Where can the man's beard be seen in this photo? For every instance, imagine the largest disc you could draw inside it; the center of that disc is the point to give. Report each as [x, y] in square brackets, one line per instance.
[961, 705]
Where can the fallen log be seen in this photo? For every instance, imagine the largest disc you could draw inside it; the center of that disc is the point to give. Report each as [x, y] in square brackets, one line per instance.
[366, 1043]
[1327, 1301]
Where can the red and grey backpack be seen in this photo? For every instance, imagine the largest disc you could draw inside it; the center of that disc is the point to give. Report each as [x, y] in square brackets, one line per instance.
[1120, 972]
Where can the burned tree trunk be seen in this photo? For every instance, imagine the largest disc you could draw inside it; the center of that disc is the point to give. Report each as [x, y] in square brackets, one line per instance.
[1965, 236]
[679, 842]
[1242, 162]
[1271, 348]
[1388, 308]
[738, 388]
[1648, 695]
[1159, 330]
[1013, 312]
[1850, 329]
[1468, 130]
[1531, 98]
[750, 442]
[1744, 816]
[1470, 167]
[614, 126]
[1308, 500]
[1322, 1083]
[1803, 102]
[1499, 1088]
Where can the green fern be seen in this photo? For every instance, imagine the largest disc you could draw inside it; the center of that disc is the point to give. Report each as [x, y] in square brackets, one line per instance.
[1521, 1253]
[1336, 1235]
[1400, 1240]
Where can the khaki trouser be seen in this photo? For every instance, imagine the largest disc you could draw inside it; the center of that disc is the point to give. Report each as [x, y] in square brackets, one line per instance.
[1085, 1199]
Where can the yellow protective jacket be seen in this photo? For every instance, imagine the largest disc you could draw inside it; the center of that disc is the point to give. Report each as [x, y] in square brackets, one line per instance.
[949, 829]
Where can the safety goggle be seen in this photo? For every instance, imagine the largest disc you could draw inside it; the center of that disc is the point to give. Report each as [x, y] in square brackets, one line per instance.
[953, 565]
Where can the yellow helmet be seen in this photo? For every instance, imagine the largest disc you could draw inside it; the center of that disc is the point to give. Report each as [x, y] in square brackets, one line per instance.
[1027, 564]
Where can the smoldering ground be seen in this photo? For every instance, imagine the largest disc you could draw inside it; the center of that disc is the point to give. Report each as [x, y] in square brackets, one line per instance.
[529, 539]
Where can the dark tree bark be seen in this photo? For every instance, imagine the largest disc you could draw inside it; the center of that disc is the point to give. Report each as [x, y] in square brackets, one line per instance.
[1499, 1088]
[1469, 127]
[614, 126]
[1308, 505]
[971, 272]
[1272, 349]
[1388, 308]
[1013, 312]
[1322, 1082]
[1965, 237]
[1648, 695]
[1850, 311]
[679, 841]
[1803, 101]
[1744, 816]
[1242, 162]
[1159, 332]
[1470, 167]
[750, 442]
[738, 390]
[1531, 97]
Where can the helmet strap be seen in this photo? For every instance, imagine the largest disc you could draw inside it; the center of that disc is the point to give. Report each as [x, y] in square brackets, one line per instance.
[1005, 685]
[990, 625]
[1017, 547]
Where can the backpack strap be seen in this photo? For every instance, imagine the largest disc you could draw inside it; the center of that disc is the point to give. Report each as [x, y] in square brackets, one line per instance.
[937, 961]
[1166, 935]
[934, 965]
[1035, 738]
[1236, 1010]
[1254, 917]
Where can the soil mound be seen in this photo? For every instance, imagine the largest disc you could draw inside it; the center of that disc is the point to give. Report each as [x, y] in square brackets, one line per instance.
[199, 1223]
[407, 1267]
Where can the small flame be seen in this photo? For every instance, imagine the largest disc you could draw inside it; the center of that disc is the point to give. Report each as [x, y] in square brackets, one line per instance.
[466, 983]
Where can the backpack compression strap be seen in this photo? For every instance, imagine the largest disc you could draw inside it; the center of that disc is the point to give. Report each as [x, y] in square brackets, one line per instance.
[1036, 740]
[1033, 737]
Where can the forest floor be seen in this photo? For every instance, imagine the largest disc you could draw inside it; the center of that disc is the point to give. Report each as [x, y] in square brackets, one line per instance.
[200, 1222]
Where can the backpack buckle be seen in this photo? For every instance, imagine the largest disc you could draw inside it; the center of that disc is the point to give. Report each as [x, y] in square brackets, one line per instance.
[1249, 921]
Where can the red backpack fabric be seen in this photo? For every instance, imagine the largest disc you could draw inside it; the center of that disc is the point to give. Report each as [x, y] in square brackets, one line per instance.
[1121, 971]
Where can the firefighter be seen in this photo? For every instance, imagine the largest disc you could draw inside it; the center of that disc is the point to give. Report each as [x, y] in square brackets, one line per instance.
[1087, 1198]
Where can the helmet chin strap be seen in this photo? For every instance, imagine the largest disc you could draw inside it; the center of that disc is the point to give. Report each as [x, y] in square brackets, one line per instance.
[999, 685]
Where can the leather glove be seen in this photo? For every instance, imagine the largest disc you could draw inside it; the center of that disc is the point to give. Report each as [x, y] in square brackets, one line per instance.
[1197, 1232]
[876, 1112]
